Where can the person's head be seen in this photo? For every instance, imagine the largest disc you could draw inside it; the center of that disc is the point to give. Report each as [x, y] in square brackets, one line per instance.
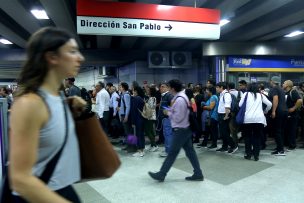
[210, 91]
[231, 85]
[109, 85]
[253, 88]
[138, 91]
[152, 91]
[134, 84]
[242, 85]
[190, 85]
[221, 86]
[275, 81]
[69, 82]
[4, 91]
[261, 87]
[99, 86]
[51, 52]
[197, 89]
[124, 87]
[287, 85]
[189, 93]
[175, 86]
[112, 89]
[164, 87]
[210, 83]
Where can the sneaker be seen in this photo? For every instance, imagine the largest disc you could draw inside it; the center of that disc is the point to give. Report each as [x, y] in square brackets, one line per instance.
[222, 149]
[277, 153]
[212, 147]
[138, 154]
[233, 150]
[195, 178]
[148, 148]
[154, 149]
[163, 154]
[157, 176]
[289, 149]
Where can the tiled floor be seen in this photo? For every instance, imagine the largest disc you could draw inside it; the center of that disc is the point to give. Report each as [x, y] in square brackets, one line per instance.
[228, 178]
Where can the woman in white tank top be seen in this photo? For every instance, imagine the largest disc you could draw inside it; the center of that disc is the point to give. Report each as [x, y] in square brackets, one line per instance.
[52, 56]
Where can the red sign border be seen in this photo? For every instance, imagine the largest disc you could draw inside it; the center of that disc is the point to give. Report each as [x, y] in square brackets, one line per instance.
[97, 8]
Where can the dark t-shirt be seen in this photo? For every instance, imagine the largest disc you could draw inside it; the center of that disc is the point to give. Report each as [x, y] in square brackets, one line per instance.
[277, 91]
[292, 97]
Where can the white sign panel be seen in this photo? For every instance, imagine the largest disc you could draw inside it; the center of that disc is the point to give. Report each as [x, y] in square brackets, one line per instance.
[146, 28]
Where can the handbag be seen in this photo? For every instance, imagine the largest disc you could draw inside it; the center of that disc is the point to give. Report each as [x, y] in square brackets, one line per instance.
[98, 158]
[241, 114]
[6, 195]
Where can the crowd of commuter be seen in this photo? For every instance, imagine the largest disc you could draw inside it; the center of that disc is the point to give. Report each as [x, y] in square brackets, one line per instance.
[275, 111]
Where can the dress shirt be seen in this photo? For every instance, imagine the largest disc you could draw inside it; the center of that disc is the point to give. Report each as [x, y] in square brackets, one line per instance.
[179, 112]
[224, 102]
[102, 102]
[114, 102]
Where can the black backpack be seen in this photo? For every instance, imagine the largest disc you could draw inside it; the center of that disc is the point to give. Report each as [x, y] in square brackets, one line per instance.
[234, 103]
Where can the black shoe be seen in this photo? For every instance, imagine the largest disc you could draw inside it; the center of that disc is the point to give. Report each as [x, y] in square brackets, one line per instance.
[277, 153]
[232, 150]
[195, 178]
[256, 158]
[157, 176]
[247, 157]
[222, 149]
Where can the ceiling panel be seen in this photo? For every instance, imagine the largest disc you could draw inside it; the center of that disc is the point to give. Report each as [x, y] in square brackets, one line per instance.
[251, 20]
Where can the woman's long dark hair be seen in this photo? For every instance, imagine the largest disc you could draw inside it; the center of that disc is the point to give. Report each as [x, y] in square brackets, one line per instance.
[36, 68]
[253, 88]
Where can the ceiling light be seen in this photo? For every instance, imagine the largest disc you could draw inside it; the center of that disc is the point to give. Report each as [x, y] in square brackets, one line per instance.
[4, 41]
[224, 22]
[39, 14]
[293, 34]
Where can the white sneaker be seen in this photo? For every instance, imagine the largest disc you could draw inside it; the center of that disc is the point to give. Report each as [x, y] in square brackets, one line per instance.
[163, 154]
[138, 154]
[148, 148]
[153, 149]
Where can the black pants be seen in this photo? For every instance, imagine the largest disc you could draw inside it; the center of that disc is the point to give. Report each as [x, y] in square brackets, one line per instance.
[225, 132]
[278, 129]
[214, 131]
[105, 121]
[67, 192]
[291, 130]
[252, 133]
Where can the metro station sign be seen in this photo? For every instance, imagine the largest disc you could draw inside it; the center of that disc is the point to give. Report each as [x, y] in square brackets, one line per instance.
[147, 20]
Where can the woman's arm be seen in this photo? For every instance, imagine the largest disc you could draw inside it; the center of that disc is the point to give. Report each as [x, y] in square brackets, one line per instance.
[28, 115]
[210, 107]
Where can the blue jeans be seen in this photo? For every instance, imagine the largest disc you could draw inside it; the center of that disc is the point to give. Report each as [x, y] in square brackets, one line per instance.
[167, 131]
[182, 138]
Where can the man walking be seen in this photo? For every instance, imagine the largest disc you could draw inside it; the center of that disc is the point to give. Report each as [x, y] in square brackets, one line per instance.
[182, 134]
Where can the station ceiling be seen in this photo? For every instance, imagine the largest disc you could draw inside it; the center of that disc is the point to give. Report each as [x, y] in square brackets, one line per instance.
[251, 21]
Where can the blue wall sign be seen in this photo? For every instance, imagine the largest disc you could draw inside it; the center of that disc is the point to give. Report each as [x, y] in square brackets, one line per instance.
[283, 64]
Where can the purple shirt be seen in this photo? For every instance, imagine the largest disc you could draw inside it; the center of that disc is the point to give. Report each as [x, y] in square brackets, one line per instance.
[179, 112]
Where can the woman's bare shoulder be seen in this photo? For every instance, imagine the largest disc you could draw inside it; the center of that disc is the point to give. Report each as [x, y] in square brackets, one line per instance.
[29, 105]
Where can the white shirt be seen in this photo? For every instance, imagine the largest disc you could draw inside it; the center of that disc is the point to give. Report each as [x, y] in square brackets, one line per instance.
[114, 102]
[102, 102]
[227, 104]
[254, 110]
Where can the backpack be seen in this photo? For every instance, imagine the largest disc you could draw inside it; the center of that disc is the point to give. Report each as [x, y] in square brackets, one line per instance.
[234, 103]
[192, 117]
[299, 93]
[147, 111]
